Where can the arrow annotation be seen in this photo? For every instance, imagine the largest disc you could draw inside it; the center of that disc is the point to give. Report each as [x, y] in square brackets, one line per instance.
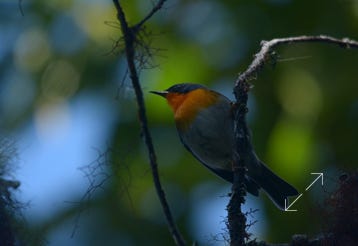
[314, 181]
[287, 205]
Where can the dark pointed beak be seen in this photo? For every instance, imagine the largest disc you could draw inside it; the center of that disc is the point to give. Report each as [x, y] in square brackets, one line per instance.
[160, 93]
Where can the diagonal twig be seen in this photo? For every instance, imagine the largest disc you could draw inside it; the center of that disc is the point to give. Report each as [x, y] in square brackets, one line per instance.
[129, 35]
[155, 9]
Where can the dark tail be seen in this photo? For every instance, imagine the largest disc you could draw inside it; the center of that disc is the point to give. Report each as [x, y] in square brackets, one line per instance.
[275, 187]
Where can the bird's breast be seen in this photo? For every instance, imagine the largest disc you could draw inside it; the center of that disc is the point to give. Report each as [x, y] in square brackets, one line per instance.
[188, 106]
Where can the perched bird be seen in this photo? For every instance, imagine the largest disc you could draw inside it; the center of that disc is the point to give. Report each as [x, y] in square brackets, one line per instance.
[205, 124]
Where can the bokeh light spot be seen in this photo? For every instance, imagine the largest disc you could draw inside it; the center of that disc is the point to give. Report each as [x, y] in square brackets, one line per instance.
[88, 20]
[290, 148]
[32, 50]
[60, 80]
[300, 94]
[52, 121]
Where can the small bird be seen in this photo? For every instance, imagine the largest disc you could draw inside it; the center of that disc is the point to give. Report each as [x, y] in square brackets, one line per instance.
[205, 125]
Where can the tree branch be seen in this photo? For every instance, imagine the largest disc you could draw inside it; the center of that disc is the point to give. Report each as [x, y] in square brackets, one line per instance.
[129, 35]
[236, 218]
[267, 46]
[243, 146]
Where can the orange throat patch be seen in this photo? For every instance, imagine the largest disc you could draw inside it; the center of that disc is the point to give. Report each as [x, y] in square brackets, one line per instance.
[187, 106]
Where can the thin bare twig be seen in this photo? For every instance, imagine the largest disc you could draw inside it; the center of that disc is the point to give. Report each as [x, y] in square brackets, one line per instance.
[243, 146]
[97, 176]
[129, 35]
[155, 9]
[267, 46]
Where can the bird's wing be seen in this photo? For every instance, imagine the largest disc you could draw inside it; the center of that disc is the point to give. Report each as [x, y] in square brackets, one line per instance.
[251, 186]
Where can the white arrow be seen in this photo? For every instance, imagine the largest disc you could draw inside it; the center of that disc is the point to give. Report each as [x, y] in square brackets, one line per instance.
[288, 206]
[319, 175]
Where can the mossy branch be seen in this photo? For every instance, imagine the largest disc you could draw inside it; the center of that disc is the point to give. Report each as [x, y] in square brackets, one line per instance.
[236, 218]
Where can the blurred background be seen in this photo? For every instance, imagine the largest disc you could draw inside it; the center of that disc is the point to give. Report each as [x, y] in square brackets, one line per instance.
[67, 105]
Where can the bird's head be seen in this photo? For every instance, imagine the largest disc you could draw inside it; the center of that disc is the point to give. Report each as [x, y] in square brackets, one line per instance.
[186, 100]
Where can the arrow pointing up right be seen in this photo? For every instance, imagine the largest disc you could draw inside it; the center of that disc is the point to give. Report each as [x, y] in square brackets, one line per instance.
[314, 181]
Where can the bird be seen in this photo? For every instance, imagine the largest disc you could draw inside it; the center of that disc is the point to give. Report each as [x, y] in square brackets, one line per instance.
[205, 125]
